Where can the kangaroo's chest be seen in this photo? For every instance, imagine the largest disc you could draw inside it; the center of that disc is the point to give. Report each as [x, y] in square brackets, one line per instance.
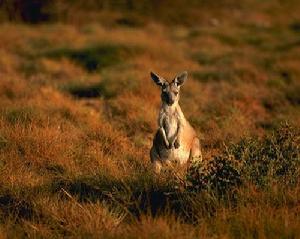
[171, 124]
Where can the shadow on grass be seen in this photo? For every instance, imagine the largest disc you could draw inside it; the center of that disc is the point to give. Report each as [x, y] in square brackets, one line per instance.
[295, 26]
[131, 20]
[16, 207]
[292, 94]
[83, 91]
[136, 197]
[107, 87]
[206, 186]
[97, 57]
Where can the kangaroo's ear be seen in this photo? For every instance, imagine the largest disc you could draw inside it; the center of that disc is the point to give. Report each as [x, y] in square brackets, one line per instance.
[157, 79]
[180, 78]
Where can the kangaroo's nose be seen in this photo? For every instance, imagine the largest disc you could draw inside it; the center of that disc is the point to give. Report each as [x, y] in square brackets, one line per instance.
[170, 100]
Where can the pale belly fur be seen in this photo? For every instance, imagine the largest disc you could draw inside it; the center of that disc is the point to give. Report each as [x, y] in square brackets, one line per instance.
[171, 128]
[179, 155]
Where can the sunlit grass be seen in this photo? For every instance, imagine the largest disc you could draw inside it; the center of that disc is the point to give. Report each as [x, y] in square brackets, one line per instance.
[78, 112]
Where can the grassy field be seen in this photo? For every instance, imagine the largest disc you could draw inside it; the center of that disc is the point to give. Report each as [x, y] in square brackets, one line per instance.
[78, 112]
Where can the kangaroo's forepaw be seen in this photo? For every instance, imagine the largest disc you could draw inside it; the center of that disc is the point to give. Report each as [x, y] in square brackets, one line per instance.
[176, 144]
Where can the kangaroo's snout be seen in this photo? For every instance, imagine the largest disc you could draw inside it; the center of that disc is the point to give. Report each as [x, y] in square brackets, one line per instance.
[169, 98]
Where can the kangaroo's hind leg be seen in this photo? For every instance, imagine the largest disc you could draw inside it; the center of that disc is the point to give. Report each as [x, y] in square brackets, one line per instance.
[155, 159]
[196, 154]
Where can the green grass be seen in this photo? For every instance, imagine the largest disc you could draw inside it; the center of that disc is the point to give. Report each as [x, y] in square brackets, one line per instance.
[204, 58]
[95, 57]
[211, 76]
[21, 115]
[106, 88]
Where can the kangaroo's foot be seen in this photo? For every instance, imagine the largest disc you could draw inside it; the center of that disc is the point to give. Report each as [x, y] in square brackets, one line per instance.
[196, 154]
[157, 166]
[155, 159]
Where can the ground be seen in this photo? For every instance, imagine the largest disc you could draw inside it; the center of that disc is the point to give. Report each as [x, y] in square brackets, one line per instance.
[78, 112]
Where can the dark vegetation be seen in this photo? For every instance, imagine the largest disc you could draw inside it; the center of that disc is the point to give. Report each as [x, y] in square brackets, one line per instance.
[133, 13]
[95, 58]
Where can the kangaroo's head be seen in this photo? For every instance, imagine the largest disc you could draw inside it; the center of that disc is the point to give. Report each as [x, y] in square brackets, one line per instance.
[170, 90]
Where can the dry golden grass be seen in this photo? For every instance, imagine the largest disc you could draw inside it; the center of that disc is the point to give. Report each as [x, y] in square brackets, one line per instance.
[75, 136]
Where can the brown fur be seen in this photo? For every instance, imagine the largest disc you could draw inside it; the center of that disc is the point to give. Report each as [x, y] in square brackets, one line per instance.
[175, 139]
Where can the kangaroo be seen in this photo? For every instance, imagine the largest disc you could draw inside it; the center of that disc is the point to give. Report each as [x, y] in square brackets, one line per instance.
[175, 139]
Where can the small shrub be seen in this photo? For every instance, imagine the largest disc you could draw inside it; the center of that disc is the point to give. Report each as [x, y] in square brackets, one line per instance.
[261, 162]
[218, 174]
